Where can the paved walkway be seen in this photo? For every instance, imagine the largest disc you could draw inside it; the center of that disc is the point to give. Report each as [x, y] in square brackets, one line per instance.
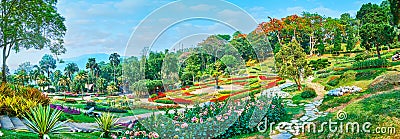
[319, 89]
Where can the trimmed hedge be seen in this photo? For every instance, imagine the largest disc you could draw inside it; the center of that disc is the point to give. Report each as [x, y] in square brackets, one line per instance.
[375, 63]
[333, 82]
[308, 94]
[164, 101]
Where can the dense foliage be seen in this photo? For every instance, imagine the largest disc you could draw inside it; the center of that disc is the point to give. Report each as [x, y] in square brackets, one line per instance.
[374, 63]
[17, 100]
[308, 93]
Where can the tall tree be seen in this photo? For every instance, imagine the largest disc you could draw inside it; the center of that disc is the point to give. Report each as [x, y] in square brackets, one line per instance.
[114, 61]
[81, 79]
[394, 9]
[69, 70]
[24, 66]
[375, 30]
[92, 66]
[48, 63]
[30, 24]
[337, 41]
[291, 63]
[63, 83]
[22, 77]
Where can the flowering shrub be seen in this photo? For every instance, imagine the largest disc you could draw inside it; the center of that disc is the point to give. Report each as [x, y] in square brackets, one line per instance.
[132, 134]
[17, 100]
[214, 120]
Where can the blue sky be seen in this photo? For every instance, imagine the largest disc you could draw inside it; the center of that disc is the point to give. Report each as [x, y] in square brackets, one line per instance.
[105, 26]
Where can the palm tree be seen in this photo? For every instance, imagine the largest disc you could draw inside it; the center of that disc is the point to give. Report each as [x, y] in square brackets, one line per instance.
[70, 69]
[81, 79]
[101, 84]
[34, 74]
[92, 65]
[114, 61]
[42, 81]
[56, 77]
[97, 72]
[63, 82]
[22, 77]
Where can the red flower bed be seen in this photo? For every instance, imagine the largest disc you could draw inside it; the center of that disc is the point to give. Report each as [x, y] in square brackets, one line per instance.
[225, 97]
[241, 78]
[159, 95]
[272, 84]
[268, 78]
[187, 94]
[182, 101]
[240, 83]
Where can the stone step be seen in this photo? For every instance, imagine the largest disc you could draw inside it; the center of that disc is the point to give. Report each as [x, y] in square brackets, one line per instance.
[18, 124]
[6, 122]
[24, 121]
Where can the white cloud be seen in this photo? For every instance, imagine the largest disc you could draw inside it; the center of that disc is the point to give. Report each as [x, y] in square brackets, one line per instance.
[202, 7]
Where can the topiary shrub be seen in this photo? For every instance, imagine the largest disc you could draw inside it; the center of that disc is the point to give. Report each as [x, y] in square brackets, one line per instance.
[308, 94]
[333, 82]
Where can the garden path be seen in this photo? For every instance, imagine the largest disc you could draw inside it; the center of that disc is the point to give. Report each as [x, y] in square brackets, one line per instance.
[319, 89]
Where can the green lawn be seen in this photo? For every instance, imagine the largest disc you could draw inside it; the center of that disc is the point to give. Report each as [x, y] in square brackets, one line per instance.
[380, 110]
[7, 134]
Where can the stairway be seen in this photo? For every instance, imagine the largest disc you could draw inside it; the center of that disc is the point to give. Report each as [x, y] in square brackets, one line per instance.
[12, 123]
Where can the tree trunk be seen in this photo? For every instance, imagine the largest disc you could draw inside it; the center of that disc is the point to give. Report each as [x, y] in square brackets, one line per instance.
[378, 51]
[48, 85]
[3, 69]
[82, 92]
[216, 82]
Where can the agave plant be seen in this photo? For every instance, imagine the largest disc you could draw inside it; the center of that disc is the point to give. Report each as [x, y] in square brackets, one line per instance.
[42, 120]
[106, 122]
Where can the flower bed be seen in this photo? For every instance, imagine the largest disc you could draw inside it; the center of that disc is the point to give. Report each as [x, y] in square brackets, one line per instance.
[187, 94]
[241, 78]
[267, 78]
[66, 109]
[181, 101]
[156, 96]
[155, 107]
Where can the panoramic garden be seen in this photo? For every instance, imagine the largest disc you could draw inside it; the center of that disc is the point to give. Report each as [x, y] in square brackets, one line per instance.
[292, 71]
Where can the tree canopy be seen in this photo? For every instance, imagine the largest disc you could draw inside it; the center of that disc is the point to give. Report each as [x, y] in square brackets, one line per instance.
[30, 24]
